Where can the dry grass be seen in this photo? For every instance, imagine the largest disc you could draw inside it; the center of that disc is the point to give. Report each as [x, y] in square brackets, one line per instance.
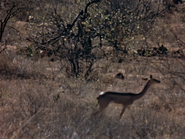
[33, 104]
[43, 108]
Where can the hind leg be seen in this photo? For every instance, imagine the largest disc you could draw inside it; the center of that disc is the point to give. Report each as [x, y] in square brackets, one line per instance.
[102, 105]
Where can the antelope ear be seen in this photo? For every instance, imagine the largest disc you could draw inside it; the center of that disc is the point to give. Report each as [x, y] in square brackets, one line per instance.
[150, 76]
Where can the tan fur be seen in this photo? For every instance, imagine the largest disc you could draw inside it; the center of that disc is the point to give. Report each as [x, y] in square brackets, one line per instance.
[125, 99]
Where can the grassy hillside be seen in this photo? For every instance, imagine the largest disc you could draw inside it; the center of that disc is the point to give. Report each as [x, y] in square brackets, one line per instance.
[41, 96]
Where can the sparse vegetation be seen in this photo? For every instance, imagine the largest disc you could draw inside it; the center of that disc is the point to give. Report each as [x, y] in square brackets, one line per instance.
[53, 67]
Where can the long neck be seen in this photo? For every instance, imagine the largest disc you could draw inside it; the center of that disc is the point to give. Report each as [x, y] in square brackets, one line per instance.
[142, 93]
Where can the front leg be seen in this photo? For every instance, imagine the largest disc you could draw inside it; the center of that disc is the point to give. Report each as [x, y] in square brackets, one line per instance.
[124, 107]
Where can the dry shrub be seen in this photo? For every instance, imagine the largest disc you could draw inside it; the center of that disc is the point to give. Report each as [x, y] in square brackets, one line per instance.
[19, 106]
[151, 124]
[14, 66]
[6, 65]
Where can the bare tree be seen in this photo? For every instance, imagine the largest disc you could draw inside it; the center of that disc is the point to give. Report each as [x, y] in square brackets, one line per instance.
[8, 9]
